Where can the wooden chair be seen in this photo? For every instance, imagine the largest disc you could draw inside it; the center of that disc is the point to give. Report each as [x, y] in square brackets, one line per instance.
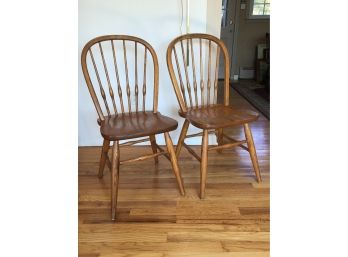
[195, 81]
[119, 120]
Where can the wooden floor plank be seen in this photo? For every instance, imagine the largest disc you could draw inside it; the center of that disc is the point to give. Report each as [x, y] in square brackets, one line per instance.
[186, 236]
[153, 219]
[175, 254]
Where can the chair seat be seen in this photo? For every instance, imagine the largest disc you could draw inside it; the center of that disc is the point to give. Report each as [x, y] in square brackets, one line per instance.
[218, 116]
[134, 125]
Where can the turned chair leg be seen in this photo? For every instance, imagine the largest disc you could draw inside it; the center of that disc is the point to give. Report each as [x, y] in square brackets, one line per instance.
[103, 157]
[115, 166]
[219, 138]
[252, 151]
[204, 162]
[174, 162]
[182, 137]
[154, 148]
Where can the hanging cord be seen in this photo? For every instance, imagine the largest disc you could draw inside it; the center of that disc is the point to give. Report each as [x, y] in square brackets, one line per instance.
[187, 31]
[182, 15]
[187, 26]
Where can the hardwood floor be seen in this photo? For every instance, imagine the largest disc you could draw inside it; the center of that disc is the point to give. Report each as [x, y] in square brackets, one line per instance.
[153, 219]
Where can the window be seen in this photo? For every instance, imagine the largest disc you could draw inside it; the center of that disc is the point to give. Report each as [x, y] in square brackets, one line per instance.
[259, 9]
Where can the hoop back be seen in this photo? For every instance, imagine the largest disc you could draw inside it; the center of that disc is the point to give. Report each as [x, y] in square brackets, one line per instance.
[193, 61]
[108, 63]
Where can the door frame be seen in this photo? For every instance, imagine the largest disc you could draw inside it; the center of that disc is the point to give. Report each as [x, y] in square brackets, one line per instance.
[233, 55]
[233, 65]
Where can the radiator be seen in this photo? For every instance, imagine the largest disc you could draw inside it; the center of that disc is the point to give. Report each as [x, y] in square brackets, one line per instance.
[246, 73]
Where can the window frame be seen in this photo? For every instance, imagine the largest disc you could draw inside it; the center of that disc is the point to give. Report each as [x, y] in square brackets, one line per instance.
[254, 17]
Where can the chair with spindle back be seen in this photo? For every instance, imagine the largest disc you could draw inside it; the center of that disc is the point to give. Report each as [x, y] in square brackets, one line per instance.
[194, 75]
[119, 120]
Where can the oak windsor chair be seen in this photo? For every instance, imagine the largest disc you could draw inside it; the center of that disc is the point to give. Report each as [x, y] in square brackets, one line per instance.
[124, 120]
[203, 112]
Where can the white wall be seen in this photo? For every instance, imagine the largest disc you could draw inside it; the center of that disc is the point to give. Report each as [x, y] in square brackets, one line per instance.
[156, 21]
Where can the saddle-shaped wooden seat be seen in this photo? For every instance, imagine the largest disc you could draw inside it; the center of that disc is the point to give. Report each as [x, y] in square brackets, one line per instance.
[218, 116]
[133, 125]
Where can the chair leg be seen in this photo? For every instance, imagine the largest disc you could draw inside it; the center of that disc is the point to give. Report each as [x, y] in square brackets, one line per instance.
[174, 162]
[182, 137]
[252, 151]
[204, 161]
[153, 145]
[103, 157]
[219, 138]
[115, 166]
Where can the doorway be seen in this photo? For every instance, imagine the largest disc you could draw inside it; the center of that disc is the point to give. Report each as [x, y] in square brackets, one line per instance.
[229, 29]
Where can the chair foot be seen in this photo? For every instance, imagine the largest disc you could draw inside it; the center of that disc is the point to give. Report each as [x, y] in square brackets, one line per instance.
[115, 165]
[204, 162]
[174, 162]
[153, 146]
[252, 152]
[103, 157]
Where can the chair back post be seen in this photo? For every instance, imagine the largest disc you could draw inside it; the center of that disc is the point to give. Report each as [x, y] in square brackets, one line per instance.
[178, 93]
[182, 82]
[227, 74]
[88, 79]
[156, 78]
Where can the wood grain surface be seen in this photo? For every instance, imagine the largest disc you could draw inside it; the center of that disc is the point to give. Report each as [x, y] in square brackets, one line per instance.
[212, 115]
[119, 125]
[155, 220]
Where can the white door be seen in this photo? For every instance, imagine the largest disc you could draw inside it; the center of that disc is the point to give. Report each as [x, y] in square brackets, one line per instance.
[228, 21]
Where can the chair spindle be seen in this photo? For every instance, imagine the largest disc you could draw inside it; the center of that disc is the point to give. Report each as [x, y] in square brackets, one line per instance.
[119, 89]
[180, 78]
[188, 86]
[216, 73]
[136, 88]
[201, 72]
[127, 78]
[194, 73]
[144, 79]
[102, 92]
[111, 92]
[209, 71]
